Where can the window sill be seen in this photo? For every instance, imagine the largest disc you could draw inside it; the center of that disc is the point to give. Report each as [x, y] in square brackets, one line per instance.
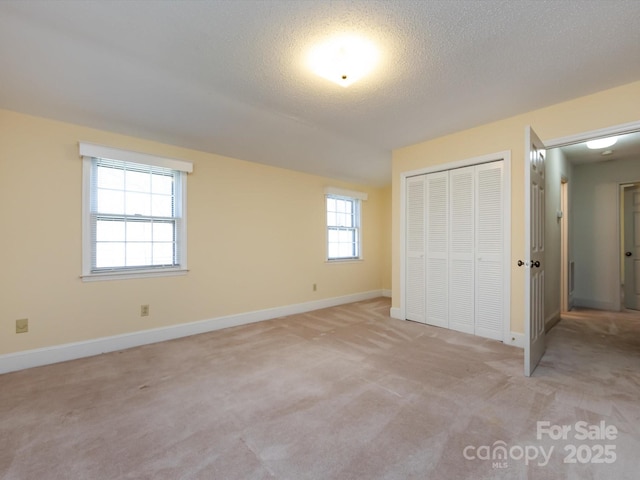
[99, 277]
[345, 260]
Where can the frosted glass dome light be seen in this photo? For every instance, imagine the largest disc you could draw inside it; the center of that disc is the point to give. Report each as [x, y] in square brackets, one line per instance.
[344, 59]
[601, 143]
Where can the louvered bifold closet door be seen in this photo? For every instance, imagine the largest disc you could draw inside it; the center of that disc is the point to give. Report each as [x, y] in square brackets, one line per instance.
[415, 275]
[489, 251]
[437, 303]
[461, 249]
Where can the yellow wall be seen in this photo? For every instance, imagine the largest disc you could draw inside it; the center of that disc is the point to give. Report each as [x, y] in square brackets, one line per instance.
[256, 240]
[604, 109]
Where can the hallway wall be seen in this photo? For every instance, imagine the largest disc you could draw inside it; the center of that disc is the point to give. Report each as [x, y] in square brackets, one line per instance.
[557, 167]
[596, 231]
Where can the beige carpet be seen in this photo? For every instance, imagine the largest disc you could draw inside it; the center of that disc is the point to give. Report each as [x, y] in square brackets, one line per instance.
[341, 393]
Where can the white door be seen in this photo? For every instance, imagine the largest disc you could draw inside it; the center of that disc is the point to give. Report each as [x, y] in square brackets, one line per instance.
[534, 344]
[454, 249]
[632, 248]
[437, 232]
[415, 244]
[489, 267]
[462, 250]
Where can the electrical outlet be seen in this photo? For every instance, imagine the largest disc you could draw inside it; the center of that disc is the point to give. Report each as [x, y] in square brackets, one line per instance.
[22, 325]
[315, 287]
[144, 310]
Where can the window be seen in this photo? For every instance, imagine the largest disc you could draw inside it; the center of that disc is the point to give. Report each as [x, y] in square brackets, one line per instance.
[343, 224]
[133, 214]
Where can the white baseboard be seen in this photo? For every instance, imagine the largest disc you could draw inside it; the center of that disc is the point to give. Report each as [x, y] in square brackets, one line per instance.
[386, 293]
[515, 340]
[70, 351]
[595, 304]
[551, 320]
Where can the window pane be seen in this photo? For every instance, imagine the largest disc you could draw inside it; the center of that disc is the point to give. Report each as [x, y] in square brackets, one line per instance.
[331, 204]
[110, 201]
[344, 220]
[345, 250]
[110, 231]
[161, 206]
[138, 254]
[163, 232]
[162, 184]
[348, 207]
[112, 178]
[109, 255]
[346, 236]
[138, 204]
[137, 181]
[138, 231]
[163, 253]
[333, 250]
[331, 219]
[333, 236]
[340, 206]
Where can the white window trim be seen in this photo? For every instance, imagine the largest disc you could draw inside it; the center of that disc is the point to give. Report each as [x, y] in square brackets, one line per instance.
[351, 195]
[342, 192]
[100, 151]
[89, 151]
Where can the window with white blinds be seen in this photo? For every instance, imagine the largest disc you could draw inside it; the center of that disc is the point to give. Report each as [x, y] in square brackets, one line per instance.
[134, 215]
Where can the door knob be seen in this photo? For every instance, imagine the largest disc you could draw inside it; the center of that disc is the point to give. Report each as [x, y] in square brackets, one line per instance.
[520, 263]
[535, 264]
[628, 254]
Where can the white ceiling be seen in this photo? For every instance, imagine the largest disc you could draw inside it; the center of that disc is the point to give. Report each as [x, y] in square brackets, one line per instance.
[228, 76]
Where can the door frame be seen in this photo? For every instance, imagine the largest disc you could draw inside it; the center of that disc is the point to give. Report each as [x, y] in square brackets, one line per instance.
[621, 249]
[565, 249]
[505, 156]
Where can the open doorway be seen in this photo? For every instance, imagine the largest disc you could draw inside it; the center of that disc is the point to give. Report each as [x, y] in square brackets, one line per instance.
[582, 245]
[590, 221]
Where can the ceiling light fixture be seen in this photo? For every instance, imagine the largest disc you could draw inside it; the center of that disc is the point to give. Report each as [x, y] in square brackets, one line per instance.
[601, 143]
[344, 59]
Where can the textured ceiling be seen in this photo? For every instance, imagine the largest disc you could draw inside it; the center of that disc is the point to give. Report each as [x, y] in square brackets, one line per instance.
[229, 77]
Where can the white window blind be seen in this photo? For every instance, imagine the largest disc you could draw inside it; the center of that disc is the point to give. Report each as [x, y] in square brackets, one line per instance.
[101, 151]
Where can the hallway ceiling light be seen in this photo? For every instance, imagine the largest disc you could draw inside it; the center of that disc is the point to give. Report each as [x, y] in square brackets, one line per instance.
[344, 59]
[601, 143]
